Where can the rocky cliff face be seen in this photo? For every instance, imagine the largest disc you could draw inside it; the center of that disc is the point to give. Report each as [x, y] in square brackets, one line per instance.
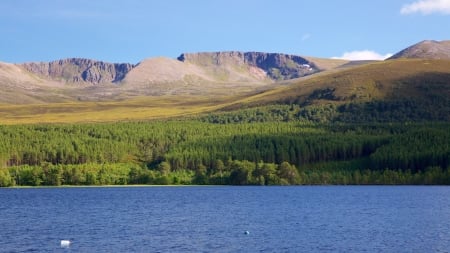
[77, 70]
[276, 66]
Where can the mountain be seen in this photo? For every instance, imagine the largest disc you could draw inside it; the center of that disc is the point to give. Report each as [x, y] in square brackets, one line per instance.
[428, 49]
[214, 73]
[218, 72]
[216, 67]
[256, 64]
[81, 89]
[78, 70]
[401, 89]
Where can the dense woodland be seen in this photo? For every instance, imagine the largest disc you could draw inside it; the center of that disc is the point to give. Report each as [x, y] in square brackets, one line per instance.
[271, 145]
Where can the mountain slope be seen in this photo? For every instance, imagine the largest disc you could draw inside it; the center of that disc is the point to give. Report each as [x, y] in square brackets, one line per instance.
[18, 86]
[162, 76]
[411, 79]
[428, 49]
[255, 64]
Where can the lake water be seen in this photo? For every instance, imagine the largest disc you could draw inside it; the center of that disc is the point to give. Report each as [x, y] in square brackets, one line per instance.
[215, 219]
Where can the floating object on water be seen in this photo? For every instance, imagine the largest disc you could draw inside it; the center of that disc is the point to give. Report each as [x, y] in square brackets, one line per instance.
[246, 232]
[65, 243]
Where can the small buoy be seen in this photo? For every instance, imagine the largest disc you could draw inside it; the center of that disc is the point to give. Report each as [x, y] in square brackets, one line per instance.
[65, 243]
[246, 233]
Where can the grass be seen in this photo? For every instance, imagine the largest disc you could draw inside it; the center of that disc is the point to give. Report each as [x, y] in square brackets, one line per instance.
[144, 108]
[393, 79]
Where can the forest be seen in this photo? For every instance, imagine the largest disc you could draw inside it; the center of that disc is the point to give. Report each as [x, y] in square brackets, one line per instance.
[271, 145]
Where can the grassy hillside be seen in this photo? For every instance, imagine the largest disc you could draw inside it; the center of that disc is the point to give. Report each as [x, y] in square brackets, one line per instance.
[144, 108]
[395, 79]
[384, 91]
[427, 49]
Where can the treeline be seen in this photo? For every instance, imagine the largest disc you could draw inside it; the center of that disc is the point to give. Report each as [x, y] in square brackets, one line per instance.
[375, 111]
[230, 173]
[195, 152]
[88, 174]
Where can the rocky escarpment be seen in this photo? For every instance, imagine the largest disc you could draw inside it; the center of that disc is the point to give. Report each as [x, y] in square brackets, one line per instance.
[78, 70]
[276, 66]
[427, 49]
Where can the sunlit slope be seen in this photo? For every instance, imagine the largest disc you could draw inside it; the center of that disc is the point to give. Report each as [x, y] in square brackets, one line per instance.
[165, 76]
[18, 86]
[137, 109]
[416, 79]
[427, 49]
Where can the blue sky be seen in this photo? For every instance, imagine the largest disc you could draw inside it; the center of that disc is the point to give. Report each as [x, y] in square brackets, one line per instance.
[132, 30]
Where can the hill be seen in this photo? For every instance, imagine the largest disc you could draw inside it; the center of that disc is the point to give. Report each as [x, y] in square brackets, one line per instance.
[165, 76]
[427, 49]
[404, 78]
[18, 86]
[404, 89]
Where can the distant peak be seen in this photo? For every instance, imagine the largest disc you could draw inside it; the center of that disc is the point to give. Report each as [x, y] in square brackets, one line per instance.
[427, 49]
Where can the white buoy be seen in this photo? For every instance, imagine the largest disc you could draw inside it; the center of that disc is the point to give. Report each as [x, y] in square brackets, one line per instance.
[65, 243]
[246, 233]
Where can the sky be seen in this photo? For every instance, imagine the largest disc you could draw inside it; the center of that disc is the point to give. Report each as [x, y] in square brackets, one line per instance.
[133, 30]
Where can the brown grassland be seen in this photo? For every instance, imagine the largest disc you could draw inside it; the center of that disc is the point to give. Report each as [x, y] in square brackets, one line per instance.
[393, 79]
[143, 108]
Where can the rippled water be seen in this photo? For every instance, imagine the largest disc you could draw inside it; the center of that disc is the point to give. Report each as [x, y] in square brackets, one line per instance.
[215, 219]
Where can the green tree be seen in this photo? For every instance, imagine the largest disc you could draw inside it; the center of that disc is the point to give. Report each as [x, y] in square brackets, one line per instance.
[289, 173]
[164, 168]
[241, 172]
[5, 178]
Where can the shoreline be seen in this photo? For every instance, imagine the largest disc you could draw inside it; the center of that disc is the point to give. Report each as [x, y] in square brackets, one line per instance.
[205, 186]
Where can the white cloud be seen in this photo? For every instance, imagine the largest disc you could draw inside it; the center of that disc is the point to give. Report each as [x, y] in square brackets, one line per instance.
[362, 55]
[427, 7]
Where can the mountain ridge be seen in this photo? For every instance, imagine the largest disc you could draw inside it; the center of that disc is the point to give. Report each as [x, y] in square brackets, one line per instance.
[212, 74]
[78, 70]
[232, 65]
[215, 73]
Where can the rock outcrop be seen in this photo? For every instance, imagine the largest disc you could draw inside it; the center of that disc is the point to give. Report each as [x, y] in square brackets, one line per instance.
[78, 70]
[276, 66]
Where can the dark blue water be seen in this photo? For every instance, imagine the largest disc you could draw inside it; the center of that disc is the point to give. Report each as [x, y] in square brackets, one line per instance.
[214, 219]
